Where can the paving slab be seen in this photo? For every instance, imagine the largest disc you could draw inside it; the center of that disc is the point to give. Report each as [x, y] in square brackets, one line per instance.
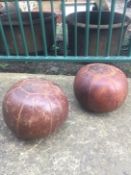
[86, 144]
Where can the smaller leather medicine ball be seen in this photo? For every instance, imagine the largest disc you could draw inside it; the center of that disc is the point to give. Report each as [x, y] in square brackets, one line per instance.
[34, 108]
[100, 87]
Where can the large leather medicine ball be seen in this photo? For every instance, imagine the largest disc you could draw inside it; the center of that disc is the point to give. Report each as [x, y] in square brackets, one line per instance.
[34, 107]
[100, 87]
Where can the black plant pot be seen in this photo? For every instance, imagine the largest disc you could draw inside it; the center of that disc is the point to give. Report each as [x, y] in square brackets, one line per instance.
[93, 25]
[49, 33]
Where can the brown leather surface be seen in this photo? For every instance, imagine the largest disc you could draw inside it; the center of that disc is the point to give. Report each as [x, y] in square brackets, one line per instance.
[34, 108]
[100, 87]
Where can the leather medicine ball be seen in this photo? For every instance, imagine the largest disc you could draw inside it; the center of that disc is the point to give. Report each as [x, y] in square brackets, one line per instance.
[34, 108]
[100, 87]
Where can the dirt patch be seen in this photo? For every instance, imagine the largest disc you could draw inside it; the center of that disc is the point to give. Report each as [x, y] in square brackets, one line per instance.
[54, 68]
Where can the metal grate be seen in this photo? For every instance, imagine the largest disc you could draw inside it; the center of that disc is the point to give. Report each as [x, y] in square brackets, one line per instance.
[86, 36]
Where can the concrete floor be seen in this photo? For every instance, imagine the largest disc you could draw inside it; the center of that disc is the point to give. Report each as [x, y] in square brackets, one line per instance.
[87, 143]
